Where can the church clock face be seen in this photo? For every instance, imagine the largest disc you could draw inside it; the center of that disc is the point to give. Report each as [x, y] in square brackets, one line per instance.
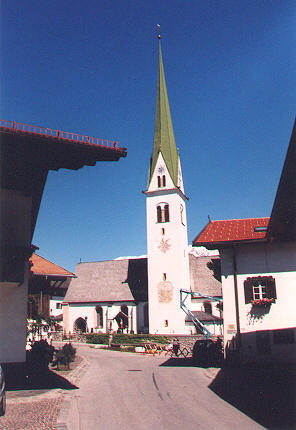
[160, 169]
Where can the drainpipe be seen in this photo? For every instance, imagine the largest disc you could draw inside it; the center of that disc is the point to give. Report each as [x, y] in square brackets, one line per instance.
[236, 298]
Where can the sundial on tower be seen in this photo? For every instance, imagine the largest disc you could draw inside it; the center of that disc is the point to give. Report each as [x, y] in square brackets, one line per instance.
[164, 245]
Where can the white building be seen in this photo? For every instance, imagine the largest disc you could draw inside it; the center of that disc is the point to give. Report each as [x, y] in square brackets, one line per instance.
[258, 266]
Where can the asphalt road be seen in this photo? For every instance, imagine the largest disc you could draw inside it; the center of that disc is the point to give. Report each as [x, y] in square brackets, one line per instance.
[125, 391]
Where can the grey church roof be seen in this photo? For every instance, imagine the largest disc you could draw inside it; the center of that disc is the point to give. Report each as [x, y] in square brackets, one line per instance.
[126, 280]
[109, 281]
[203, 316]
[205, 275]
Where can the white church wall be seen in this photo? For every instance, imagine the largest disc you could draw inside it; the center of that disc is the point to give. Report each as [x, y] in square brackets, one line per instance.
[142, 327]
[88, 312]
[160, 165]
[168, 263]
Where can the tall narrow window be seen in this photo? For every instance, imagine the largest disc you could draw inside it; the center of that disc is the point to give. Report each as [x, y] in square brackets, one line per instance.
[158, 181]
[182, 214]
[163, 181]
[159, 213]
[99, 312]
[166, 213]
[164, 276]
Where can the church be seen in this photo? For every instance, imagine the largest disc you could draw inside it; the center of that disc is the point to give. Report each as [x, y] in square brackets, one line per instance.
[171, 291]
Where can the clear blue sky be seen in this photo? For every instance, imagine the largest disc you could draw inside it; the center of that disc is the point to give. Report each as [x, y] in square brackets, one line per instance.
[91, 67]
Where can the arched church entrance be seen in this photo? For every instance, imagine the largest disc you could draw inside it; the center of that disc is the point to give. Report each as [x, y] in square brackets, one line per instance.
[122, 319]
[80, 325]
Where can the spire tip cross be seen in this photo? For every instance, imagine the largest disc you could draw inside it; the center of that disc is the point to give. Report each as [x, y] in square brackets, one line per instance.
[158, 29]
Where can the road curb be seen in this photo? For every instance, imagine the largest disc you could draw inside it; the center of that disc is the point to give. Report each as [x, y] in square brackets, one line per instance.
[67, 396]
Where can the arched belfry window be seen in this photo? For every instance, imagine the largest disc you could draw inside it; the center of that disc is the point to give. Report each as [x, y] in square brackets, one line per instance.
[163, 181]
[162, 212]
[158, 181]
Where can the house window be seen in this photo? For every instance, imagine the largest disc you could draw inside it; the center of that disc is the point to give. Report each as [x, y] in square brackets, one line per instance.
[162, 231]
[259, 287]
[166, 323]
[58, 305]
[163, 212]
[259, 292]
[283, 336]
[208, 307]
[164, 276]
[99, 312]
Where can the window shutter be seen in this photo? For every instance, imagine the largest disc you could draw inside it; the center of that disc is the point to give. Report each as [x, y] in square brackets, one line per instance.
[248, 286]
[270, 287]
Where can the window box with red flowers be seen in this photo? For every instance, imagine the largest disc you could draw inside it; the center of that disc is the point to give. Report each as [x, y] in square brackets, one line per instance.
[263, 303]
[260, 291]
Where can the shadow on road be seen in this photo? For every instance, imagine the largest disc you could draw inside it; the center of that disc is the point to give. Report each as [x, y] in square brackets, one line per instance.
[178, 362]
[17, 377]
[267, 395]
[188, 362]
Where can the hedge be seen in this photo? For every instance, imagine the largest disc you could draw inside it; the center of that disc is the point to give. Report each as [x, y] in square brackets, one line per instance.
[126, 339]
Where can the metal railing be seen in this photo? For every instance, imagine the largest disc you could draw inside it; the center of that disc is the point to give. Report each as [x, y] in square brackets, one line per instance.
[58, 134]
[198, 324]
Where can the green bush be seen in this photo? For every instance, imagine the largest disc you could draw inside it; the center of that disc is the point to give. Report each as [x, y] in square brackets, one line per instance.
[40, 355]
[97, 338]
[126, 339]
[64, 356]
[69, 351]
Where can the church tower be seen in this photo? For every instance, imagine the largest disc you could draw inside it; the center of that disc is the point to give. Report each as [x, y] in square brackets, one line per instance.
[167, 242]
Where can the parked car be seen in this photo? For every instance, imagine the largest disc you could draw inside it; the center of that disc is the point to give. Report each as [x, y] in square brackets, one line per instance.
[2, 393]
[207, 352]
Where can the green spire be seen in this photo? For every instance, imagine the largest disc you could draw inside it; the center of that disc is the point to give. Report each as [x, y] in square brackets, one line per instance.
[164, 140]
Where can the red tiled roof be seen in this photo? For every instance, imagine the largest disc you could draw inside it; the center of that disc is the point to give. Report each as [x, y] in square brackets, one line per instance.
[232, 230]
[41, 266]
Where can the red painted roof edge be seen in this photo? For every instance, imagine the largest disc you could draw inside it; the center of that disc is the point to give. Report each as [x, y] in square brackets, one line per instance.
[214, 245]
[200, 233]
[68, 274]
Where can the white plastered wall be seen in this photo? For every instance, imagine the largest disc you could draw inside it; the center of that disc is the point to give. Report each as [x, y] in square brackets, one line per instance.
[13, 317]
[16, 231]
[53, 305]
[266, 259]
